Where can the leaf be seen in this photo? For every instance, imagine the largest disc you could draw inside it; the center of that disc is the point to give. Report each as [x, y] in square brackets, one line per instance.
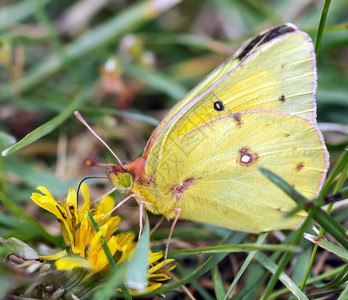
[321, 242]
[71, 262]
[47, 127]
[138, 266]
[115, 268]
[101, 35]
[212, 261]
[6, 139]
[155, 80]
[33, 176]
[246, 263]
[219, 286]
[18, 12]
[13, 246]
[285, 279]
[36, 227]
[331, 226]
[235, 248]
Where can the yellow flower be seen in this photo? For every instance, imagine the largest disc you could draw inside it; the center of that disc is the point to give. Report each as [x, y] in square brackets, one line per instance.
[155, 272]
[83, 243]
[83, 247]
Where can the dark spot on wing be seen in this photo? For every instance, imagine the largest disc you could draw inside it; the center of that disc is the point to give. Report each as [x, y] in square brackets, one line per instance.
[218, 105]
[246, 157]
[275, 32]
[178, 190]
[282, 98]
[286, 134]
[249, 47]
[264, 38]
[237, 119]
[299, 166]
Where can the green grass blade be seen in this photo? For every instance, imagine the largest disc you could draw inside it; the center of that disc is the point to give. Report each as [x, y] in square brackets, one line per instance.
[17, 211]
[11, 15]
[341, 195]
[313, 280]
[102, 35]
[202, 291]
[342, 161]
[155, 79]
[212, 261]
[93, 110]
[109, 256]
[321, 27]
[47, 127]
[107, 290]
[287, 256]
[330, 225]
[342, 253]
[139, 264]
[32, 176]
[260, 273]
[235, 248]
[218, 282]
[285, 279]
[246, 263]
[344, 294]
[340, 278]
[6, 139]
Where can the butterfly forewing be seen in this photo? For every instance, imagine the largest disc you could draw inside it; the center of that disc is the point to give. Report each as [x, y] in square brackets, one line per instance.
[274, 71]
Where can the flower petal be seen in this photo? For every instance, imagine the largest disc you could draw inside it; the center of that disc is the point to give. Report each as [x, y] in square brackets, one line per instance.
[154, 256]
[148, 289]
[163, 266]
[71, 262]
[54, 256]
[45, 191]
[86, 206]
[71, 205]
[159, 277]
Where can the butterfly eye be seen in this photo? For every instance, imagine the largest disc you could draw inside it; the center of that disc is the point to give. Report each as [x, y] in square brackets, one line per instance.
[126, 180]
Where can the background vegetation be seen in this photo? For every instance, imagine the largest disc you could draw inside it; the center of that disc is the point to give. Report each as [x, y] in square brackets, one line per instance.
[123, 64]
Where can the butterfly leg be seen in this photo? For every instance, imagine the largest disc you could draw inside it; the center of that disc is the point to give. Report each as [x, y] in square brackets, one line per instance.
[178, 211]
[157, 225]
[119, 204]
[141, 216]
[142, 205]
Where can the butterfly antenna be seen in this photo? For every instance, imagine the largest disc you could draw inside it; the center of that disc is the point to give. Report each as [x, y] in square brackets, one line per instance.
[82, 120]
[90, 163]
[79, 186]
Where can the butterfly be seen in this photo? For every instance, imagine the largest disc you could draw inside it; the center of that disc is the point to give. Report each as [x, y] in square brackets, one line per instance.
[256, 109]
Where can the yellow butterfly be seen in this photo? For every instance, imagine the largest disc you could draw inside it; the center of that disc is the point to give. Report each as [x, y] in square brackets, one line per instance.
[256, 109]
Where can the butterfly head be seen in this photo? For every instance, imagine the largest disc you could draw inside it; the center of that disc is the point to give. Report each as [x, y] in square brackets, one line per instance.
[120, 178]
[123, 177]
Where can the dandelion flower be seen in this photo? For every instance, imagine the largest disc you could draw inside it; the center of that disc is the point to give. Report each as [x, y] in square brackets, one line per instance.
[83, 244]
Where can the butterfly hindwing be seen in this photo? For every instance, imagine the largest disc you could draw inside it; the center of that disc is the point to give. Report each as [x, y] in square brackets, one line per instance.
[211, 171]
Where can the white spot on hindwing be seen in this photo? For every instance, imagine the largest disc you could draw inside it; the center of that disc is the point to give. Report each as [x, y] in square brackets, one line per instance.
[245, 158]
